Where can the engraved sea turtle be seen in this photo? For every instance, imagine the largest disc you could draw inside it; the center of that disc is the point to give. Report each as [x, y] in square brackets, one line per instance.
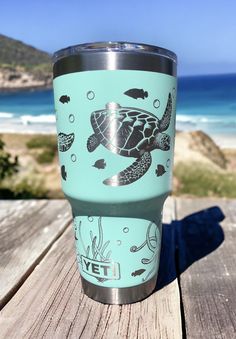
[130, 132]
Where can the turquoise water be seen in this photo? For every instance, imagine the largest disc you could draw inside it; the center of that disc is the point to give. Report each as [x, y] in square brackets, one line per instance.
[203, 102]
[27, 103]
[208, 103]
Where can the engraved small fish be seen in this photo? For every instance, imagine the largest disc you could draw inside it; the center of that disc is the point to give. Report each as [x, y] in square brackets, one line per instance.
[136, 93]
[64, 99]
[160, 170]
[63, 172]
[100, 164]
[65, 141]
[138, 272]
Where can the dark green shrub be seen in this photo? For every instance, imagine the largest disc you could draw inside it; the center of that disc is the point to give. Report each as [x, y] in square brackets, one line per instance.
[45, 157]
[202, 181]
[29, 189]
[47, 144]
[25, 189]
[43, 141]
[7, 166]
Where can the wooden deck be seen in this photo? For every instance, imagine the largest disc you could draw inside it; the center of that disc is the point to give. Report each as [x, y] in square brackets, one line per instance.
[40, 287]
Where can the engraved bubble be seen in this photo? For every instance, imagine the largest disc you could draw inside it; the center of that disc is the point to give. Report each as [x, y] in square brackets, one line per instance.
[156, 103]
[90, 218]
[174, 92]
[71, 118]
[73, 157]
[125, 230]
[168, 163]
[118, 242]
[90, 95]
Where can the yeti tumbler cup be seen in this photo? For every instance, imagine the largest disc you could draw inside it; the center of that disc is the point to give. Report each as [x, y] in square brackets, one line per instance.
[115, 115]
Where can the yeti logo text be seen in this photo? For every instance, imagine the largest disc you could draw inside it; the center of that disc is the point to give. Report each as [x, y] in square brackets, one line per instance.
[101, 269]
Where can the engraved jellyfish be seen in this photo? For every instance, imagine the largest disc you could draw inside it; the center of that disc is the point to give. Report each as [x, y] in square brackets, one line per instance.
[153, 243]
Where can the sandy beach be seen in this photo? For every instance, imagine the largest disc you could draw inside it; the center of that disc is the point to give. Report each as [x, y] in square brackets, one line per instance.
[196, 155]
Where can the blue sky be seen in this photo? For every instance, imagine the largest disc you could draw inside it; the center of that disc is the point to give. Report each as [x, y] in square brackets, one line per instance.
[202, 32]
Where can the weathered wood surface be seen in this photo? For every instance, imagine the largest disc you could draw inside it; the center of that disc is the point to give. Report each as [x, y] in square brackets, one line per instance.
[27, 230]
[50, 304]
[40, 282]
[208, 286]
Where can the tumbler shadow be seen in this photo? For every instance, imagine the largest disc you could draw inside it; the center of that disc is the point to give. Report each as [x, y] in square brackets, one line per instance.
[188, 240]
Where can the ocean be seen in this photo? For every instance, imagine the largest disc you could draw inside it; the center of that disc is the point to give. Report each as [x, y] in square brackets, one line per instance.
[206, 103]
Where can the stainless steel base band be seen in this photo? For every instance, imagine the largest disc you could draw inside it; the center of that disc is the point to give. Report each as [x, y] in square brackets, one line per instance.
[124, 295]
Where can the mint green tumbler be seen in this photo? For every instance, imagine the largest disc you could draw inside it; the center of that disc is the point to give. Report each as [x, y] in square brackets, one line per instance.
[115, 111]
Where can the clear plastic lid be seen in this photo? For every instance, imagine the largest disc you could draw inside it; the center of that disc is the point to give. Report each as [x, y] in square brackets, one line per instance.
[114, 46]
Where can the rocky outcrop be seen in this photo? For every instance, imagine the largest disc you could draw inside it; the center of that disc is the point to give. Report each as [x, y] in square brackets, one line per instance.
[18, 78]
[202, 143]
[198, 147]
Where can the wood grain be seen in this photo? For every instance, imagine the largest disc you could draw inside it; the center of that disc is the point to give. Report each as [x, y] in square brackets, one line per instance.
[7, 207]
[208, 286]
[27, 230]
[50, 304]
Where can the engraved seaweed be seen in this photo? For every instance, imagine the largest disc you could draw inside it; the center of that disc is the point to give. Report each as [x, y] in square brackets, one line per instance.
[98, 248]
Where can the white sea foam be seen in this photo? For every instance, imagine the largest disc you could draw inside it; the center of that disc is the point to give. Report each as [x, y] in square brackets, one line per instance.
[183, 118]
[201, 119]
[42, 119]
[6, 115]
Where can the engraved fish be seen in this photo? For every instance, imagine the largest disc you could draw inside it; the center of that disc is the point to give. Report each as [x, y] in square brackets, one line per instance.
[136, 93]
[64, 99]
[100, 164]
[138, 272]
[160, 170]
[65, 141]
[63, 172]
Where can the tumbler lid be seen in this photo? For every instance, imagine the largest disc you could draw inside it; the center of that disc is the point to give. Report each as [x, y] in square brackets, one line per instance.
[115, 55]
[114, 46]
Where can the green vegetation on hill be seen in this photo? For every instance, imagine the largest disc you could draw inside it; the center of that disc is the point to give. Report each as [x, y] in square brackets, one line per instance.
[16, 53]
[17, 57]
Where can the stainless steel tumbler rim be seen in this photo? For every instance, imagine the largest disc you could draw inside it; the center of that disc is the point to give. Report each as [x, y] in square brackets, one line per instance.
[118, 296]
[112, 56]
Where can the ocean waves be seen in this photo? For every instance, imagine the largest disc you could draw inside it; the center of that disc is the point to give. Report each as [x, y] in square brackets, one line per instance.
[16, 123]
[6, 115]
[44, 118]
[184, 122]
[189, 122]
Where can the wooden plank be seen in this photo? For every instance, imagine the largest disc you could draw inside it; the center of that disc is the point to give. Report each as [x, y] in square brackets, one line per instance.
[26, 233]
[51, 304]
[208, 286]
[7, 207]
